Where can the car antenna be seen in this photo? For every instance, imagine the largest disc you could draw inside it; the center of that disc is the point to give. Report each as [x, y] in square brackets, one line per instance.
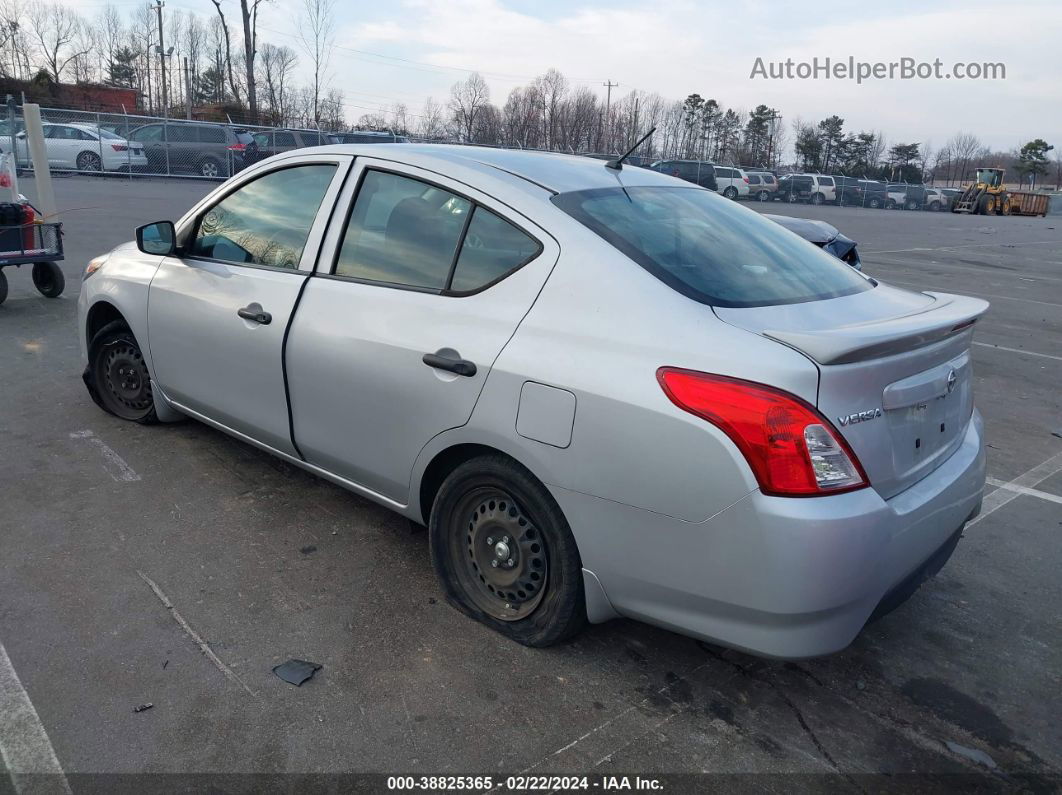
[617, 164]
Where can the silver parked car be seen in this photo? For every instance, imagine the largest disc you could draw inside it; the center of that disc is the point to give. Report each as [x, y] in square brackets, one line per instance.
[607, 392]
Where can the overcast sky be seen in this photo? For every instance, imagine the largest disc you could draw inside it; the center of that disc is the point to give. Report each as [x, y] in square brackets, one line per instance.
[676, 47]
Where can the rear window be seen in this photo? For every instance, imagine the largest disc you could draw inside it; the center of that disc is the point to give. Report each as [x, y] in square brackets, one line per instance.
[754, 179]
[242, 136]
[710, 249]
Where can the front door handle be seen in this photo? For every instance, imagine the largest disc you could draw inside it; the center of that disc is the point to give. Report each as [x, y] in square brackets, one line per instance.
[454, 364]
[255, 315]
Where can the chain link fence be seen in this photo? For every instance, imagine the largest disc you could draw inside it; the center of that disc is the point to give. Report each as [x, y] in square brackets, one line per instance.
[134, 145]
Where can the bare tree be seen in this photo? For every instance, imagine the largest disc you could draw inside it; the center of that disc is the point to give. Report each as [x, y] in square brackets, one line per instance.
[316, 37]
[431, 120]
[467, 100]
[224, 29]
[55, 30]
[277, 65]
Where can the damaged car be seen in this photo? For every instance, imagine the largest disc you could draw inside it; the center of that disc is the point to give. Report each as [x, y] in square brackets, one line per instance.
[823, 235]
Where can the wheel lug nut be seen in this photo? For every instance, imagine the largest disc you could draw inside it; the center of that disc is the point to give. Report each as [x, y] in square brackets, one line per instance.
[509, 562]
[490, 540]
[494, 564]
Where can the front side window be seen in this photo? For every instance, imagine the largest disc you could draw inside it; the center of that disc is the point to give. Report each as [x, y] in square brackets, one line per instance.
[152, 132]
[709, 249]
[265, 222]
[402, 231]
[492, 248]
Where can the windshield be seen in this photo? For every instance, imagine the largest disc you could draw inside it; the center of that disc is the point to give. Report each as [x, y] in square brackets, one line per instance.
[710, 248]
[107, 134]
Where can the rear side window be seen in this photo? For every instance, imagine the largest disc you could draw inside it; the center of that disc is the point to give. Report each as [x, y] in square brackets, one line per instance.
[767, 178]
[825, 180]
[402, 231]
[710, 249]
[266, 221]
[180, 134]
[753, 179]
[152, 132]
[492, 248]
[212, 135]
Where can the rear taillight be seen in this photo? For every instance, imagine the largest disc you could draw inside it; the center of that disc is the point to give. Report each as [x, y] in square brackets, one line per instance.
[119, 147]
[746, 180]
[792, 449]
[237, 147]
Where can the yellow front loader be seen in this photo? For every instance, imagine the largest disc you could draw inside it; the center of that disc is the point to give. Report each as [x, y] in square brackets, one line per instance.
[987, 196]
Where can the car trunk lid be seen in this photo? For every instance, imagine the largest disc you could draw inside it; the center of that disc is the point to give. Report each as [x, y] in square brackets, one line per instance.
[895, 377]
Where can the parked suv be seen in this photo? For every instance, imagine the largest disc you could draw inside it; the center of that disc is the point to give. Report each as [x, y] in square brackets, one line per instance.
[731, 182]
[762, 185]
[202, 148]
[823, 189]
[796, 188]
[272, 142]
[696, 171]
[848, 190]
[874, 195]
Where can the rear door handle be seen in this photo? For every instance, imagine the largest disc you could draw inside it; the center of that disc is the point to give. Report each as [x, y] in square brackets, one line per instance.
[255, 316]
[453, 365]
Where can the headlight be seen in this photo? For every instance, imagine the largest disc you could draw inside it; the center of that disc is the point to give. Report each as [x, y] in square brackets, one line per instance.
[94, 265]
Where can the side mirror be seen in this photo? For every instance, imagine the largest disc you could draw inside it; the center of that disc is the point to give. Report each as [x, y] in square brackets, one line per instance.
[159, 238]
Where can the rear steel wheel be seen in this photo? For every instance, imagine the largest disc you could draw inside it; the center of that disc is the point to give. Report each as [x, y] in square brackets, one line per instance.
[504, 565]
[504, 554]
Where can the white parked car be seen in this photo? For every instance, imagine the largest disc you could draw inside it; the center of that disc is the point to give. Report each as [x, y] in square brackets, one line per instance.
[823, 188]
[82, 147]
[731, 182]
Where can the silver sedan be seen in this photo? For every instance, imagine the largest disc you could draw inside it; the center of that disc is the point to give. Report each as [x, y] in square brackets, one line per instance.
[606, 392]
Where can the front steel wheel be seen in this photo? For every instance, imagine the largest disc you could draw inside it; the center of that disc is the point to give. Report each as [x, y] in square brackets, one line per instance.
[119, 375]
[504, 553]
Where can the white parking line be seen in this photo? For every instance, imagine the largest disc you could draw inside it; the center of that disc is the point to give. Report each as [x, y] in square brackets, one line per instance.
[24, 745]
[964, 245]
[1019, 350]
[115, 466]
[1011, 489]
[1043, 495]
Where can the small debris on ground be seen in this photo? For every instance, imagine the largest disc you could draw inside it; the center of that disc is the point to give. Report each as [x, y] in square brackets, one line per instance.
[861, 685]
[143, 707]
[1057, 433]
[295, 672]
[976, 754]
[165, 664]
[432, 600]
[306, 550]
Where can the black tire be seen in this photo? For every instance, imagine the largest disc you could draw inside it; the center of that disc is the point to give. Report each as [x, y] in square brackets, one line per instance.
[48, 279]
[874, 204]
[764, 196]
[890, 204]
[3, 286]
[539, 596]
[211, 167]
[818, 198]
[89, 161]
[117, 376]
[984, 204]
[731, 192]
[912, 205]
[934, 207]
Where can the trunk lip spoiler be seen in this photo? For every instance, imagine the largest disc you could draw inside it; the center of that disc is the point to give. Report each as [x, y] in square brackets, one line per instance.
[946, 316]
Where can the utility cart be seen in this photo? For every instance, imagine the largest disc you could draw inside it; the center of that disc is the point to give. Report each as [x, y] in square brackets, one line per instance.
[26, 241]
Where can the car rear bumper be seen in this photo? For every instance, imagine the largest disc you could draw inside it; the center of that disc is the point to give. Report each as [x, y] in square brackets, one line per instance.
[780, 577]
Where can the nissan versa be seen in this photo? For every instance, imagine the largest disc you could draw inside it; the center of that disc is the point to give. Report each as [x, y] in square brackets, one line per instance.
[606, 391]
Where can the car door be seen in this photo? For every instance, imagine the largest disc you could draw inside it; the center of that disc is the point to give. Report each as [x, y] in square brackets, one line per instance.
[218, 312]
[420, 284]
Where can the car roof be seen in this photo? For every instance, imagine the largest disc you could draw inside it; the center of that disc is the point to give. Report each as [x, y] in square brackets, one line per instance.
[556, 172]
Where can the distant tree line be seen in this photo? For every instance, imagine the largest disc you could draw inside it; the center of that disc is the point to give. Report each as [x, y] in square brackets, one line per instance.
[217, 60]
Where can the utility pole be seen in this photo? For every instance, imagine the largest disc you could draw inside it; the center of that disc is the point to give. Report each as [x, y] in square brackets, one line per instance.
[608, 114]
[187, 90]
[162, 60]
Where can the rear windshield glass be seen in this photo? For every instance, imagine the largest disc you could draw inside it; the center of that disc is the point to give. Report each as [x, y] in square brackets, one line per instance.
[711, 249]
